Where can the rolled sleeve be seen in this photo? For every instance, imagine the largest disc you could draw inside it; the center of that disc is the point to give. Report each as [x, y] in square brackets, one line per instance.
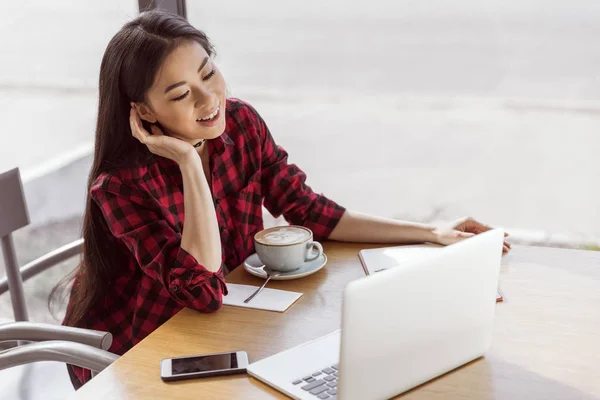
[193, 285]
[322, 217]
[156, 246]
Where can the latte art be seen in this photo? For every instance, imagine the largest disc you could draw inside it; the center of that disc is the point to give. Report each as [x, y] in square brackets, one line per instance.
[282, 236]
[286, 248]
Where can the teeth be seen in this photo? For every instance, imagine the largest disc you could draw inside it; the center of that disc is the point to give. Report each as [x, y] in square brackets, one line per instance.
[211, 116]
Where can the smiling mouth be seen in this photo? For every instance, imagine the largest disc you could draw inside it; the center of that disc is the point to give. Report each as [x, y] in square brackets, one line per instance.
[210, 116]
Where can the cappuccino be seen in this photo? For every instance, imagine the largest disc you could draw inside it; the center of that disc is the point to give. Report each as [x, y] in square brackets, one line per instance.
[283, 236]
[286, 248]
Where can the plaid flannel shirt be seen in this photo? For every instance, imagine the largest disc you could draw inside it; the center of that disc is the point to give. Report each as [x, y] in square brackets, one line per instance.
[144, 210]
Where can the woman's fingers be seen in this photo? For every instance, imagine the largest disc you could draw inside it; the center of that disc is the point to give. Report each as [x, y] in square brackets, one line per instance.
[483, 227]
[476, 225]
[506, 246]
[137, 130]
[132, 124]
[157, 142]
[464, 235]
[156, 130]
[479, 231]
[471, 225]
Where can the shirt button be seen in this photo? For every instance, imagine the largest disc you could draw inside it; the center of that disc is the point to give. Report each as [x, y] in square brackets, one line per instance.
[175, 289]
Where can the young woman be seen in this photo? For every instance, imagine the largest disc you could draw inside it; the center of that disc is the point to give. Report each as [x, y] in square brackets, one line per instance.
[176, 189]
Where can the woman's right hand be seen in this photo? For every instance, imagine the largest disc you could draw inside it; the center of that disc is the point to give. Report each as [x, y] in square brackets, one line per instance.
[158, 143]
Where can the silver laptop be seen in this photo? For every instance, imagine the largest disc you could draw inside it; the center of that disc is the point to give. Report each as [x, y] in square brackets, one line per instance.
[400, 327]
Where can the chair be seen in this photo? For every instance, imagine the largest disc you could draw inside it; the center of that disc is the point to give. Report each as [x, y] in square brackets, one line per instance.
[36, 341]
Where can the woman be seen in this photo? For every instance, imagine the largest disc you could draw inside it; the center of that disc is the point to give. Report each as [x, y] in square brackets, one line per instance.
[179, 176]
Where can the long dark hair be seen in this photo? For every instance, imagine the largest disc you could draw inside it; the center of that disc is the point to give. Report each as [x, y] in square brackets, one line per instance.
[129, 66]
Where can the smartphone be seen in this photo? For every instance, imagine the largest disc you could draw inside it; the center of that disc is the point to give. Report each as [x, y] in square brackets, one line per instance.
[173, 369]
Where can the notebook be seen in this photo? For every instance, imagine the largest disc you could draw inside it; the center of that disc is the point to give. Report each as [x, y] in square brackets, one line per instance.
[380, 259]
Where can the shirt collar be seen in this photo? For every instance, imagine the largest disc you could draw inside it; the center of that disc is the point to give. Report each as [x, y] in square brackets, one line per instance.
[221, 142]
[226, 139]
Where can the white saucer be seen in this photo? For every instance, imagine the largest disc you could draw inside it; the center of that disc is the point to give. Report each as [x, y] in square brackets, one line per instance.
[253, 265]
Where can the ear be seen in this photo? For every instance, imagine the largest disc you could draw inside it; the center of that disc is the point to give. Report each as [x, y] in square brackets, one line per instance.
[145, 112]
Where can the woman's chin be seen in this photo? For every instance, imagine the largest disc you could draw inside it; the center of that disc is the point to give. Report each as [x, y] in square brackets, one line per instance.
[211, 133]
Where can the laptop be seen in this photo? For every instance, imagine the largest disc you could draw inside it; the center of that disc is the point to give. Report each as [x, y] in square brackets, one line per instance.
[400, 327]
[380, 259]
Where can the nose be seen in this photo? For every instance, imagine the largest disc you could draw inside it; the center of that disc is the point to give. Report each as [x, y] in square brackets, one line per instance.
[205, 99]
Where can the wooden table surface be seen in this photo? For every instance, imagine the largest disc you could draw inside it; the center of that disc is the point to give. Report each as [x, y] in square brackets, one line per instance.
[546, 341]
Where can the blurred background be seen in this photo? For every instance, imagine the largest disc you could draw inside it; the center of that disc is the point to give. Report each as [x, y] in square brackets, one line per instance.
[424, 111]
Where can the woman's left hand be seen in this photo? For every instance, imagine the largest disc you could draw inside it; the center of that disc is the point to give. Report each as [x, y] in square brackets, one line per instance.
[463, 229]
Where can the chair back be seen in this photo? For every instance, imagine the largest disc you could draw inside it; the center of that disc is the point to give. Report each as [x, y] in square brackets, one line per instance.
[13, 208]
[13, 216]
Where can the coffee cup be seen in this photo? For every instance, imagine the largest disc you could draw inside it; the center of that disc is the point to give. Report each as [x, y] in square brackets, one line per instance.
[285, 248]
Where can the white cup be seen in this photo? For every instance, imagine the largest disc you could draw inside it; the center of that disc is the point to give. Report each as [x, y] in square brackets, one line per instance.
[286, 248]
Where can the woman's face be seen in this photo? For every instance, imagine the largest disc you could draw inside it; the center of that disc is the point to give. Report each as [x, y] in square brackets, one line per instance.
[188, 95]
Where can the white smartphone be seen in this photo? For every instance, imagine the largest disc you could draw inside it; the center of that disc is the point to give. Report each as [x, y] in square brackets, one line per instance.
[173, 369]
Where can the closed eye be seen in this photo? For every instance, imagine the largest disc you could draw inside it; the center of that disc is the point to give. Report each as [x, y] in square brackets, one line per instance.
[209, 75]
[183, 96]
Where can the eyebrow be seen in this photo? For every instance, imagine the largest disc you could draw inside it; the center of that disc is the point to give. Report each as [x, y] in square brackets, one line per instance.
[173, 86]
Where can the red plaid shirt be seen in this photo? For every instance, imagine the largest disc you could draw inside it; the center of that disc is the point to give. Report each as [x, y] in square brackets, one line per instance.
[143, 208]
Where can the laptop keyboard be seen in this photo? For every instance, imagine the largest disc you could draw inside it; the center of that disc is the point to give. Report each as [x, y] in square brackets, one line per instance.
[321, 384]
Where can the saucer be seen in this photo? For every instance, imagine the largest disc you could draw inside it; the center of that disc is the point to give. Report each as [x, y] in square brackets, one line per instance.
[255, 267]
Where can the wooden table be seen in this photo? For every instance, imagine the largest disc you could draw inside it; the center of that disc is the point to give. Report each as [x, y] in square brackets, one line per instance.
[546, 342]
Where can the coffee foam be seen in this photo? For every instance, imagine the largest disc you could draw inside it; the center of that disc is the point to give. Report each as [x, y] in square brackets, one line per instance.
[284, 235]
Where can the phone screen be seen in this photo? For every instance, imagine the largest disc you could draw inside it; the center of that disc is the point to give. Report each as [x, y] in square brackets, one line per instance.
[188, 365]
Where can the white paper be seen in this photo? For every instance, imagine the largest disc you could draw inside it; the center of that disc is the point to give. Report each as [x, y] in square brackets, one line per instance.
[268, 299]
